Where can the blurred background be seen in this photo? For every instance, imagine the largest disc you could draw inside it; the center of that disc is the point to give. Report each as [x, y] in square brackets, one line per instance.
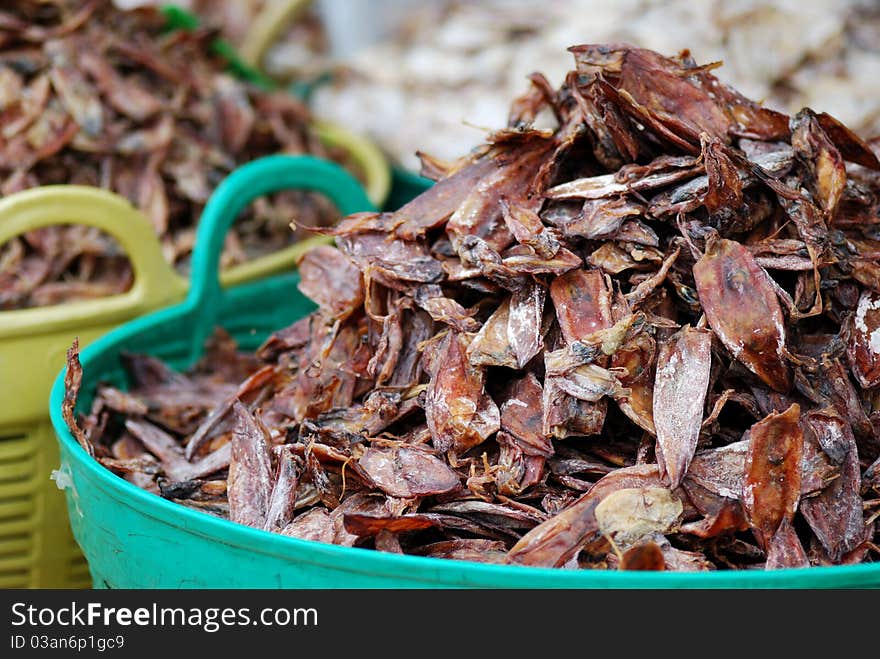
[433, 74]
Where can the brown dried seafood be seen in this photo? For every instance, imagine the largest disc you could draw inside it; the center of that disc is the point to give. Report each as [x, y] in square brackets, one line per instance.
[93, 95]
[647, 339]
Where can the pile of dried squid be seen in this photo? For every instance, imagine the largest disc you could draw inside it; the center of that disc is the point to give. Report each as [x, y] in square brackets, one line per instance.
[648, 338]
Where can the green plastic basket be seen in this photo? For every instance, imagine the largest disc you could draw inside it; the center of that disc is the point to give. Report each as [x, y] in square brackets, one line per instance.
[134, 539]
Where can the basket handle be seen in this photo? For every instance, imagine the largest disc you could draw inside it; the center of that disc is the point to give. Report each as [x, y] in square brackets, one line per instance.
[255, 179]
[376, 187]
[155, 282]
[265, 27]
[377, 173]
[179, 18]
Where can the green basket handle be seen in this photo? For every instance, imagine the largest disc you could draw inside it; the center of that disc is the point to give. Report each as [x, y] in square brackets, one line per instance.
[235, 192]
[155, 282]
[180, 19]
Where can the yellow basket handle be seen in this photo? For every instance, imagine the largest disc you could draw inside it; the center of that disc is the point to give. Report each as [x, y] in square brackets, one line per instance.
[266, 26]
[368, 156]
[155, 282]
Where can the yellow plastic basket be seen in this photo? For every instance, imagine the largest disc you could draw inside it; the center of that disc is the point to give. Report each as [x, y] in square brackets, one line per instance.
[36, 545]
